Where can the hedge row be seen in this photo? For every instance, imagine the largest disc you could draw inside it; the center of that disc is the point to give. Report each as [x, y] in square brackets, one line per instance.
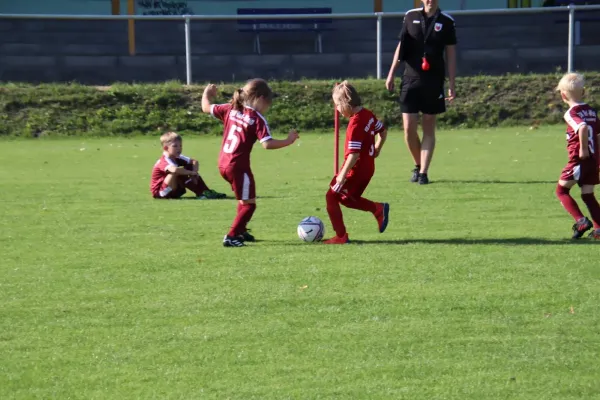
[72, 109]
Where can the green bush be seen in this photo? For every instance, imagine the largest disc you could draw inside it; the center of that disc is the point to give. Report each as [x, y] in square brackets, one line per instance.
[72, 109]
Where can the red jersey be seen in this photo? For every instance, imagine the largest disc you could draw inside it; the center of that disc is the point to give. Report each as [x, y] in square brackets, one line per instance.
[576, 117]
[159, 172]
[241, 130]
[360, 138]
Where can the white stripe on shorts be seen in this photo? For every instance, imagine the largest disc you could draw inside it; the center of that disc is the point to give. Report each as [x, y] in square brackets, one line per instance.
[246, 187]
[577, 172]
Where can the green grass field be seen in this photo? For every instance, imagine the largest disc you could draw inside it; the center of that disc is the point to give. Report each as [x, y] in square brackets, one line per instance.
[473, 292]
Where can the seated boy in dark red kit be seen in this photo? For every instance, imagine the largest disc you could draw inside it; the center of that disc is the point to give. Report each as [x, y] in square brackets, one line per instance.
[173, 173]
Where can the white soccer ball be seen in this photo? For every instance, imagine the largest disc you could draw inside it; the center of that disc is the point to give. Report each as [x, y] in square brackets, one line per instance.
[311, 229]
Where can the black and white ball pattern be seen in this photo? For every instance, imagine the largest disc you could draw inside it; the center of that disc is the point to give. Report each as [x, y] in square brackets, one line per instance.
[311, 229]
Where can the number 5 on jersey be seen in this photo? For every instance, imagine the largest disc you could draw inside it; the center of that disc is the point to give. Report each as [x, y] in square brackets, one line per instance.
[232, 140]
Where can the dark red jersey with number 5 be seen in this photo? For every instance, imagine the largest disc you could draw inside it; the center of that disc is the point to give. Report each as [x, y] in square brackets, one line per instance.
[241, 129]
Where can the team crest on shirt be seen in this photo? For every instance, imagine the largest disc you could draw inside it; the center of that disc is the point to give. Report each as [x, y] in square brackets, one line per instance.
[437, 27]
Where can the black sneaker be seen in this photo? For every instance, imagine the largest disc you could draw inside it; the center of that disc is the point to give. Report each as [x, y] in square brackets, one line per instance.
[581, 227]
[415, 175]
[211, 194]
[246, 237]
[423, 179]
[229, 241]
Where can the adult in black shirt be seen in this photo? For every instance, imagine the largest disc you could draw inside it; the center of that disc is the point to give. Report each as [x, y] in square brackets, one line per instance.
[426, 34]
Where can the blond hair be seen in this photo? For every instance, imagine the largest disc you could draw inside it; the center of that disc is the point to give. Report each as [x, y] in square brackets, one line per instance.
[169, 138]
[346, 95]
[253, 90]
[572, 86]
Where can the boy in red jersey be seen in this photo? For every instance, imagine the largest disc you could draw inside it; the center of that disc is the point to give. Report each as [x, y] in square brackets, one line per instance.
[174, 172]
[244, 124]
[361, 149]
[583, 126]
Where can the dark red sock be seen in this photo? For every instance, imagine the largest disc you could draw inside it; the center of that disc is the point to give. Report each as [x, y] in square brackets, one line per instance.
[335, 213]
[592, 205]
[568, 202]
[360, 204]
[243, 216]
[196, 185]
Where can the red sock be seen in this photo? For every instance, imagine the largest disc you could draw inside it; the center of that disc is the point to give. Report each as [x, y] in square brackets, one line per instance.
[568, 202]
[196, 185]
[360, 204]
[592, 205]
[335, 213]
[243, 216]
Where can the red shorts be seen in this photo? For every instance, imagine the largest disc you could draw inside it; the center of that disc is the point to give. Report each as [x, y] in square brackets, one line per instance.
[585, 172]
[354, 186]
[241, 181]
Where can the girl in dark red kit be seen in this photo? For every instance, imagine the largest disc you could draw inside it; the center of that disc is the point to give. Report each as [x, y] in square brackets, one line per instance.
[244, 124]
[364, 138]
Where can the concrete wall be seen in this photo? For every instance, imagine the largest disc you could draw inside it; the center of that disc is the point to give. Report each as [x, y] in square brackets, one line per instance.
[96, 52]
[224, 6]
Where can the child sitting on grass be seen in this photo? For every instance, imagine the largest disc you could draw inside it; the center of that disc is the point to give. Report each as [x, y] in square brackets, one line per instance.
[173, 173]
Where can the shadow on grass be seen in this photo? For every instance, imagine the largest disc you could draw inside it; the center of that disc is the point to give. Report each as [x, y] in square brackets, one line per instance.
[494, 182]
[452, 242]
[229, 198]
[524, 241]
[197, 199]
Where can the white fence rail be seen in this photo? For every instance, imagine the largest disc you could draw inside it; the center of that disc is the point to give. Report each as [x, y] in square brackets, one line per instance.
[571, 10]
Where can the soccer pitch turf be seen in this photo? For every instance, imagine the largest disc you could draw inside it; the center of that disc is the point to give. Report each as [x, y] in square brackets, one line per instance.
[473, 292]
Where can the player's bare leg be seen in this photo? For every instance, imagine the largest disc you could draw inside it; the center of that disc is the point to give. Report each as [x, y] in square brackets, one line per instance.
[588, 197]
[171, 181]
[411, 138]
[427, 146]
[238, 234]
[582, 223]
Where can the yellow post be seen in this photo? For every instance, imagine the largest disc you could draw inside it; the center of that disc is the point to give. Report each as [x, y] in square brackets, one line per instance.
[525, 3]
[377, 5]
[116, 7]
[131, 27]
[513, 3]
[418, 4]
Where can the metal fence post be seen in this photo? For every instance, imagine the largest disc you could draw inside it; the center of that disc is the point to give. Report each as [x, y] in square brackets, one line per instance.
[188, 51]
[571, 48]
[379, 21]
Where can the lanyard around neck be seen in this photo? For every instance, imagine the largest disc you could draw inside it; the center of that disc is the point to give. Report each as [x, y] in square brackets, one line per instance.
[427, 31]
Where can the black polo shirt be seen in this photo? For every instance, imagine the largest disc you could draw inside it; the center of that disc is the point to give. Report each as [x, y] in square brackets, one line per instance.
[416, 25]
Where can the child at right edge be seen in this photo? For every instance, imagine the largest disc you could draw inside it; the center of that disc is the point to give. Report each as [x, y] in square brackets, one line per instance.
[364, 138]
[582, 169]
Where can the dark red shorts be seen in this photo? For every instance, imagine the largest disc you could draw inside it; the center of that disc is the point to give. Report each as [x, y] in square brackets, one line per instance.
[241, 181]
[585, 172]
[354, 187]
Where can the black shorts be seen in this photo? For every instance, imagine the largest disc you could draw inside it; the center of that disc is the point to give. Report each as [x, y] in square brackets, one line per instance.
[426, 97]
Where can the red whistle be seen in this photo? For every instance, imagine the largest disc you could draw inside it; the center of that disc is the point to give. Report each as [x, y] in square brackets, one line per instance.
[425, 64]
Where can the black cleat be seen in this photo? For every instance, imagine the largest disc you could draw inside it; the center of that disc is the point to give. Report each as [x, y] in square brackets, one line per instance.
[246, 237]
[229, 241]
[415, 175]
[423, 179]
[581, 227]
